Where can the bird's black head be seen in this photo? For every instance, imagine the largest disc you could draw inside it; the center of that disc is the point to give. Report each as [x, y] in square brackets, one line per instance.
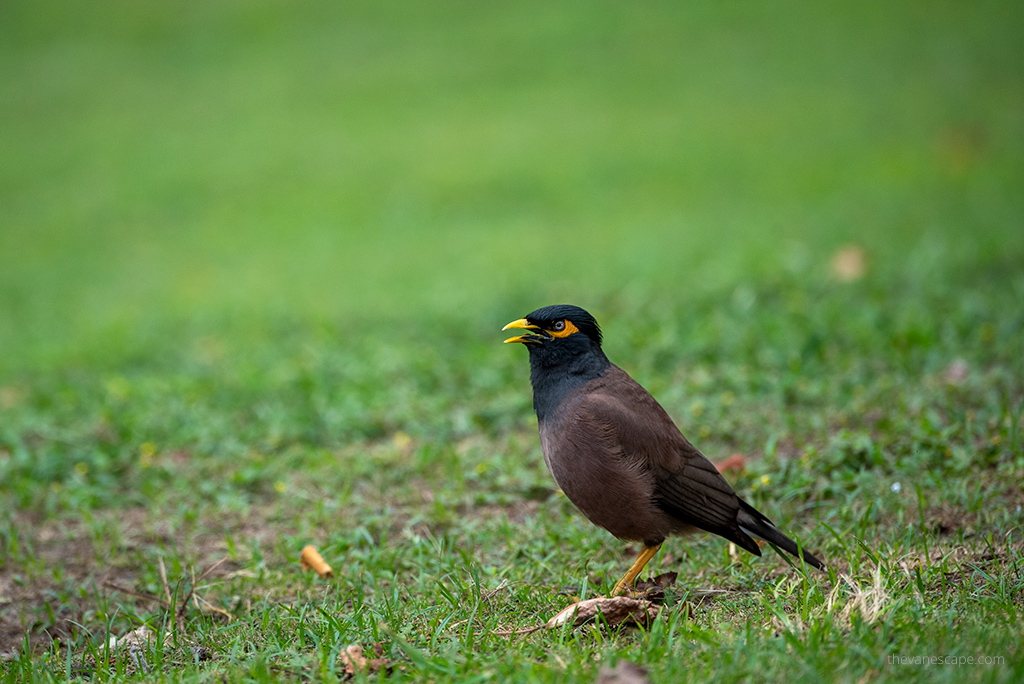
[561, 326]
[565, 352]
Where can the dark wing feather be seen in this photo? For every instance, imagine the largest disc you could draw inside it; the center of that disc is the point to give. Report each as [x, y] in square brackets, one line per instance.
[687, 485]
[700, 496]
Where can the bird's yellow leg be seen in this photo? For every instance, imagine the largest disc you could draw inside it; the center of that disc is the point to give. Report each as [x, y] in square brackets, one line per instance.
[646, 554]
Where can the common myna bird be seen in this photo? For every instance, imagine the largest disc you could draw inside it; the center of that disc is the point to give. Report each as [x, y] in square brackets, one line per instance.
[615, 452]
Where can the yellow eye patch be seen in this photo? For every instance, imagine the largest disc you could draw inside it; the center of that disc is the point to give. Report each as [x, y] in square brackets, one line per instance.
[567, 330]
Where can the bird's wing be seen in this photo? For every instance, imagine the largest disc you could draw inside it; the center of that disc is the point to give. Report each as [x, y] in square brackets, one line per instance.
[686, 484]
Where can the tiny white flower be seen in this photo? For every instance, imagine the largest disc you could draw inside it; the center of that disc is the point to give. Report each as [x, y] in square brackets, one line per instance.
[895, 486]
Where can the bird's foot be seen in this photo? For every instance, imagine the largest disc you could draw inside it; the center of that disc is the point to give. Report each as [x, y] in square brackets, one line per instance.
[651, 589]
[651, 594]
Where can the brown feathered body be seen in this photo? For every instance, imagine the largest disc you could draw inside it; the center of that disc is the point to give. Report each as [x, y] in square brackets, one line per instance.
[621, 460]
[617, 454]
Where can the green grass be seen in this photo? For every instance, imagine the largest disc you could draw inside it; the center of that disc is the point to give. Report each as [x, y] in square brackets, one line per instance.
[254, 261]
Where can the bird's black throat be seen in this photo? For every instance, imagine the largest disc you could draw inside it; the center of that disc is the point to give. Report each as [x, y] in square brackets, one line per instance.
[556, 370]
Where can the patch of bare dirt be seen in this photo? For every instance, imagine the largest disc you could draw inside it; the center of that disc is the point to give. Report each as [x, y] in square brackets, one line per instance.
[53, 583]
[516, 512]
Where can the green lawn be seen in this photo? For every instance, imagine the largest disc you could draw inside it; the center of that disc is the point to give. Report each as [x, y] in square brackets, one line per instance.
[254, 262]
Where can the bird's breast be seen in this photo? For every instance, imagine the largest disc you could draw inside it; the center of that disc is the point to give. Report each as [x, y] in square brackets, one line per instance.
[601, 481]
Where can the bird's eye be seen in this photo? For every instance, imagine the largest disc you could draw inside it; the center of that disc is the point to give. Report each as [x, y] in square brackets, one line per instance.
[558, 326]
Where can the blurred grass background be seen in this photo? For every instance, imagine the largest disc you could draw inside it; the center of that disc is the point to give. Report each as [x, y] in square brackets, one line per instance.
[234, 166]
[255, 257]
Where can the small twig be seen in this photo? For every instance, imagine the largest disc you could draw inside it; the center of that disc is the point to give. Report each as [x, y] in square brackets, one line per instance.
[492, 592]
[483, 599]
[514, 632]
[174, 613]
[195, 585]
[216, 609]
[191, 598]
[123, 590]
[209, 585]
[192, 589]
[213, 567]
[163, 578]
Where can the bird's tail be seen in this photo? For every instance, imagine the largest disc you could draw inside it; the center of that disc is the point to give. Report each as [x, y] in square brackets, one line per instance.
[753, 522]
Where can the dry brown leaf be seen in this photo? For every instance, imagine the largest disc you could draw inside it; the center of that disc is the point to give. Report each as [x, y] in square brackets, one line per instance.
[311, 558]
[137, 637]
[624, 673]
[956, 372]
[134, 645]
[355, 660]
[961, 146]
[662, 581]
[653, 589]
[618, 610]
[849, 264]
[734, 553]
[638, 609]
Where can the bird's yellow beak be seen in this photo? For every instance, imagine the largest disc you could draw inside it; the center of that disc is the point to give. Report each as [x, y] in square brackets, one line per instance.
[522, 324]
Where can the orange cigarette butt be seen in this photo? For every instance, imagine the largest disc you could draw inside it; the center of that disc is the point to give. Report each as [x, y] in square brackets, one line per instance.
[311, 558]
